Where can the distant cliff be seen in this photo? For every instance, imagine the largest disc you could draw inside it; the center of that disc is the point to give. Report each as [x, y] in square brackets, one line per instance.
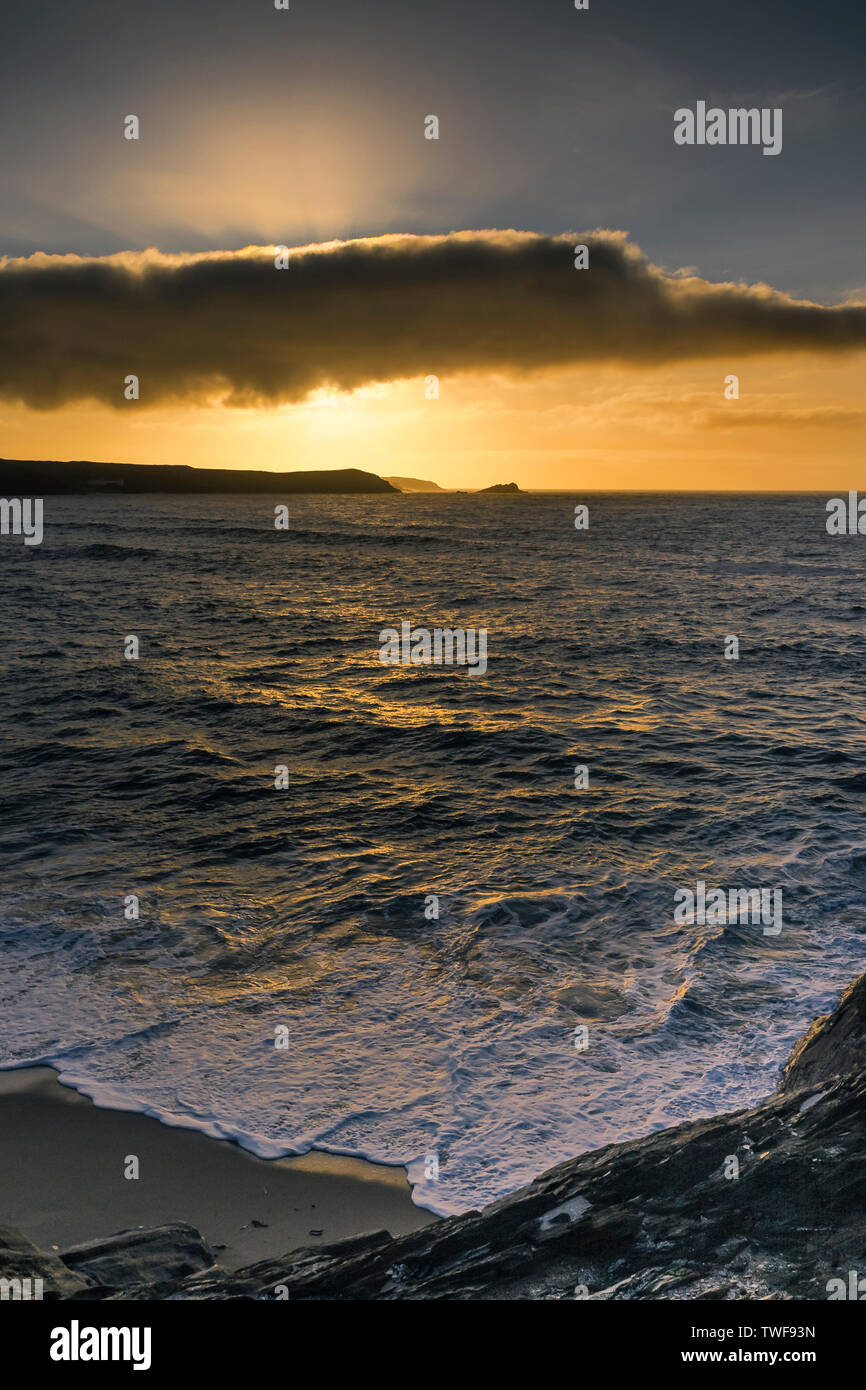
[414, 485]
[32, 478]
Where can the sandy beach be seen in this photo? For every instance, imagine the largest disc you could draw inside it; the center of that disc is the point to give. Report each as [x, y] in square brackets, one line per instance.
[62, 1180]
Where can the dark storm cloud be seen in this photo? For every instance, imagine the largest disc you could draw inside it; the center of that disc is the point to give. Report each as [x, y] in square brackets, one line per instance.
[230, 325]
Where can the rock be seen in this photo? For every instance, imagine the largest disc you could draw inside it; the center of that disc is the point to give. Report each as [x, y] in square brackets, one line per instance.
[152, 1256]
[304, 1268]
[834, 1045]
[20, 1260]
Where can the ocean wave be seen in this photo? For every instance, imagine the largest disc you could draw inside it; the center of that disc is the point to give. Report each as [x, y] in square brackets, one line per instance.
[431, 906]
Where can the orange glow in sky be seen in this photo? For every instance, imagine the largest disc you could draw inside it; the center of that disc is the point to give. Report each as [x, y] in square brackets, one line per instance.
[798, 423]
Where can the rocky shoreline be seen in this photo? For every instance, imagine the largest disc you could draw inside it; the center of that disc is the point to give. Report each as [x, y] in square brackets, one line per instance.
[764, 1203]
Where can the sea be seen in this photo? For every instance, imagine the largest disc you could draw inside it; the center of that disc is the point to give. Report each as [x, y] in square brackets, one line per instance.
[429, 941]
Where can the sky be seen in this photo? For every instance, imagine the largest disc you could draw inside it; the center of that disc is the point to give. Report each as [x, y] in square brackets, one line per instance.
[452, 338]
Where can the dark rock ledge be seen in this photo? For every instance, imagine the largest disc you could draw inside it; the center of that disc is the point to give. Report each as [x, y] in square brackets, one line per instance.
[655, 1218]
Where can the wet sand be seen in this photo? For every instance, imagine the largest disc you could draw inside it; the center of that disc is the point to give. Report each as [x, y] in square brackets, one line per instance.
[62, 1180]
